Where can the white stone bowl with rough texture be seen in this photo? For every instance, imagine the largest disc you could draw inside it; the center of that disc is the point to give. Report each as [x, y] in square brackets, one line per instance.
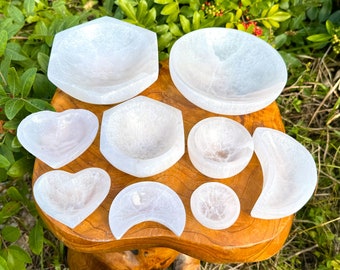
[227, 71]
[104, 61]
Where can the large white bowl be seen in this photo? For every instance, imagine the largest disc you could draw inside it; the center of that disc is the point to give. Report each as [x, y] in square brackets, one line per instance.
[227, 71]
[104, 61]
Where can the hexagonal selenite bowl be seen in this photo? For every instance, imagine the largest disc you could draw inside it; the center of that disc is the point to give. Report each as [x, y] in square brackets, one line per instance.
[219, 147]
[215, 205]
[104, 61]
[142, 136]
[227, 71]
[289, 174]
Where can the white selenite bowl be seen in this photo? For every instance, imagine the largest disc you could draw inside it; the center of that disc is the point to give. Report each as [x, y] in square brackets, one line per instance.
[142, 136]
[227, 71]
[104, 61]
[219, 147]
[289, 174]
[215, 205]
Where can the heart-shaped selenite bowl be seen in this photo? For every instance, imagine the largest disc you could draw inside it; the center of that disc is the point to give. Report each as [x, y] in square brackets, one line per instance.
[220, 147]
[104, 61]
[215, 205]
[146, 201]
[142, 136]
[70, 198]
[58, 138]
[289, 174]
[227, 71]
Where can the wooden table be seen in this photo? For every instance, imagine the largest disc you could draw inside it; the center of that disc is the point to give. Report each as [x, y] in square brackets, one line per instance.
[150, 245]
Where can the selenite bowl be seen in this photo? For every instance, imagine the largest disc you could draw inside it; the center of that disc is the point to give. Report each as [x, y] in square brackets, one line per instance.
[215, 205]
[219, 147]
[289, 174]
[104, 61]
[142, 136]
[227, 71]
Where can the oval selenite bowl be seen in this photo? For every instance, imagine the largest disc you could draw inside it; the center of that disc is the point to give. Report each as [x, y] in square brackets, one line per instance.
[104, 61]
[146, 201]
[289, 174]
[70, 198]
[58, 138]
[227, 71]
[215, 205]
[220, 147]
[142, 136]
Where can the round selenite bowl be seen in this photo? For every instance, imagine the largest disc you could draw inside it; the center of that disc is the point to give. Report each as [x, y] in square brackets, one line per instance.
[227, 71]
[104, 61]
[220, 147]
[215, 205]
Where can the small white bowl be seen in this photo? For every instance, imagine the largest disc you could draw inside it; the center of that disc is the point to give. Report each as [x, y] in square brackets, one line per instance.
[142, 136]
[104, 61]
[215, 205]
[220, 147]
[227, 71]
[289, 174]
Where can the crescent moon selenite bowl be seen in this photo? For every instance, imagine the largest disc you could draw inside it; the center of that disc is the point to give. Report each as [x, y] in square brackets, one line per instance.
[215, 205]
[57, 138]
[142, 136]
[146, 201]
[104, 61]
[289, 174]
[227, 71]
[219, 147]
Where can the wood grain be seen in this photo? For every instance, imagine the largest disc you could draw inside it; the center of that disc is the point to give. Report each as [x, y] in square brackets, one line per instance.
[248, 240]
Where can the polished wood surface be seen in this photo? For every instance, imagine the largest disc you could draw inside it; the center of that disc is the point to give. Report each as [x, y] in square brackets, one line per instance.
[248, 240]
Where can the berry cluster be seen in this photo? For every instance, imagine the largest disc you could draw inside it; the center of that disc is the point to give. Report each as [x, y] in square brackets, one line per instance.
[336, 44]
[257, 30]
[209, 8]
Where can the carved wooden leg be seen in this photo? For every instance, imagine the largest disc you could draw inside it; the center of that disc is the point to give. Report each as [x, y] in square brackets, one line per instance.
[184, 262]
[142, 259]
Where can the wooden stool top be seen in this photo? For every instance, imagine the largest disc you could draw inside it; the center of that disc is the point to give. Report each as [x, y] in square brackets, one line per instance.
[248, 240]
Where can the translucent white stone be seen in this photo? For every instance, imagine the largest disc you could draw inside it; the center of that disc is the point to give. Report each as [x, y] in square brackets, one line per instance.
[58, 138]
[71, 198]
[215, 205]
[142, 136]
[289, 174]
[227, 71]
[104, 61]
[146, 201]
[219, 147]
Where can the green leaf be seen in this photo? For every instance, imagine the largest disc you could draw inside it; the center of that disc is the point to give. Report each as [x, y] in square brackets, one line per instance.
[4, 162]
[196, 20]
[10, 209]
[35, 105]
[29, 7]
[128, 9]
[280, 16]
[43, 60]
[319, 38]
[185, 23]
[17, 258]
[10, 233]
[27, 80]
[175, 30]
[12, 124]
[42, 87]
[13, 106]
[13, 50]
[163, 2]
[171, 8]
[142, 10]
[330, 27]
[13, 81]
[3, 264]
[164, 40]
[14, 194]
[280, 40]
[3, 41]
[36, 239]
[15, 14]
[150, 18]
[21, 167]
